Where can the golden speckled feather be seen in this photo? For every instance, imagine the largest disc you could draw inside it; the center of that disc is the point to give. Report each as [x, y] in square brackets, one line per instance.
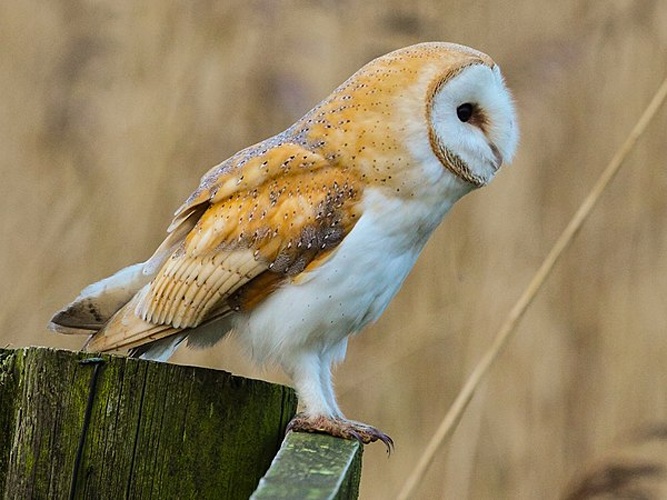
[272, 214]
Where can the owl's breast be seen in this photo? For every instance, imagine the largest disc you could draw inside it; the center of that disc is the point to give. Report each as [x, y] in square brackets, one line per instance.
[351, 288]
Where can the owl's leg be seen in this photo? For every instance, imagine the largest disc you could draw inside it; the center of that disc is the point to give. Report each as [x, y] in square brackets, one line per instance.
[312, 377]
[326, 382]
[305, 370]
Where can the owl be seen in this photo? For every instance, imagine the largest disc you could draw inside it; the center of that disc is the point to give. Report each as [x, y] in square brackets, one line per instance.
[301, 240]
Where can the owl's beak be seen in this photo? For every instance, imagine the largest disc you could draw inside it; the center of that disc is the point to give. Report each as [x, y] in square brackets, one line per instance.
[498, 158]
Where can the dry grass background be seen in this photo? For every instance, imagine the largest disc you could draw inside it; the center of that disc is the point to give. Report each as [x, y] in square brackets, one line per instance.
[111, 110]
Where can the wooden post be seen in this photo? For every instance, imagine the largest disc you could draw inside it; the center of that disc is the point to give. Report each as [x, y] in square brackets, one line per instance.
[74, 425]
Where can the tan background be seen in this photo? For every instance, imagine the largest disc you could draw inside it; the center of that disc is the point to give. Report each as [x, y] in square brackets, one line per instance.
[111, 110]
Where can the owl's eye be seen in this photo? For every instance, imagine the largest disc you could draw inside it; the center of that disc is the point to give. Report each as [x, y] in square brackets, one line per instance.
[464, 111]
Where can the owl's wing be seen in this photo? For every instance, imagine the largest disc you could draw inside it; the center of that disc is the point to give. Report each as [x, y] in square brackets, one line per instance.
[260, 220]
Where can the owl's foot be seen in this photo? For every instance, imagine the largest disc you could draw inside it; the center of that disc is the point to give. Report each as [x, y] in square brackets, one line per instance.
[339, 427]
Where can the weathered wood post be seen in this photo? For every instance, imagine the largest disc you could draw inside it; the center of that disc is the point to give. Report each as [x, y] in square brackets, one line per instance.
[73, 425]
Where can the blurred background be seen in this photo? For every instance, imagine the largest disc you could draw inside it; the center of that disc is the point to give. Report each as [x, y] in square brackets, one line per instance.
[110, 111]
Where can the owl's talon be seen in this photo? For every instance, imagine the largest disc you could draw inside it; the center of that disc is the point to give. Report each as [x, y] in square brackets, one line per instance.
[339, 427]
[356, 435]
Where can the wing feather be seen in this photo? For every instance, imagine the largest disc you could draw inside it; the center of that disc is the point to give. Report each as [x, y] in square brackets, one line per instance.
[254, 222]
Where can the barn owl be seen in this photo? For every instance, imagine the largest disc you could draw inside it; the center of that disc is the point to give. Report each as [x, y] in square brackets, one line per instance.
[301, 240]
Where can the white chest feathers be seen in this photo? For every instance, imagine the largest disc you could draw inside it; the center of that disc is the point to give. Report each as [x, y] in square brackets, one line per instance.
[349, 290]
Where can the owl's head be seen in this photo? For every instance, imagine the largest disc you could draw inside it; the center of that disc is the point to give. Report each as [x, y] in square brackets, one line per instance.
[416, 115]
[471, 117]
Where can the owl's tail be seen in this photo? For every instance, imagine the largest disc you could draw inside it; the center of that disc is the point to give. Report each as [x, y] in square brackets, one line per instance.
[98, 302]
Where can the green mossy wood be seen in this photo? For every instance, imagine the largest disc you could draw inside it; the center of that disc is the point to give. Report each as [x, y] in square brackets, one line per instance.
[155, 430]
[313, 466]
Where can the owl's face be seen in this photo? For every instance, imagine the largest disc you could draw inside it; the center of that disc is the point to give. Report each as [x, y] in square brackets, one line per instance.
[472, 122]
